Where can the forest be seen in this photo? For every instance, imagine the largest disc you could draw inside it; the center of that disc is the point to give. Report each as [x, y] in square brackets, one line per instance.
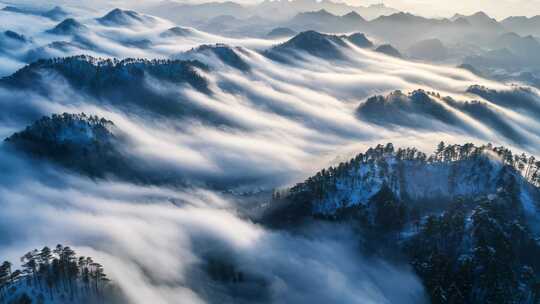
[55, 275]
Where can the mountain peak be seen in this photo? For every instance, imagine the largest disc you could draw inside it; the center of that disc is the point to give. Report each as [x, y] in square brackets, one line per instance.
[354, 16]
[389, 50]
[120, 17]
[67, 27]
[223, 52]
[15, 36]
[56, 13]
[311, 42]
[360, 40]
[64, 128]
[177, 31]
[281, 32]
[480, 14]
[410, 175]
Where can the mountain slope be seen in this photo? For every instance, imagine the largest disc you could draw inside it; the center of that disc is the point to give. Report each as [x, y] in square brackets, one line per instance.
[226, 54]
[119, 17]
[123, 83]
[87, 144]
[57, 276]
[69, 26]
[453, 171]
[317, 44]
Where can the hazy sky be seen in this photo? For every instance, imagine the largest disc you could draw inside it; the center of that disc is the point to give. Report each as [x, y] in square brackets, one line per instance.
[495, 8]
[444, 8]
[441, 8]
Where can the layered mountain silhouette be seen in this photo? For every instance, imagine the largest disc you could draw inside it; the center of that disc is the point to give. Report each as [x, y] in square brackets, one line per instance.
[429, 110]
[69, 26]
[317, 44]
[177, 31]
[57, 13]
[389, 50]
[281, 32]
[119, 17]
[322, 20]
[429, 49]
[226, 54]
[122, 83]
[523, 25]
[87, 144]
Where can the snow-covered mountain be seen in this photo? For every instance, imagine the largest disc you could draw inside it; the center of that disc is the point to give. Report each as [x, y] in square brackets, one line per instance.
[87, 144]
[109, 79]
[54, 276]
[452, 172]
[455, 216]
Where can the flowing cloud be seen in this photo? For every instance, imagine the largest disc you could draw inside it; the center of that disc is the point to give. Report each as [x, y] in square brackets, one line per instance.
[155, 243]
[267, 127]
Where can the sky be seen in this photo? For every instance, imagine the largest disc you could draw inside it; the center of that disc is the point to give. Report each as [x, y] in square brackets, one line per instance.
[444, 8]
[498, 9]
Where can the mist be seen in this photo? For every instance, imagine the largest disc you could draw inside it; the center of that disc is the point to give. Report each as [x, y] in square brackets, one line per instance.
[258, 125]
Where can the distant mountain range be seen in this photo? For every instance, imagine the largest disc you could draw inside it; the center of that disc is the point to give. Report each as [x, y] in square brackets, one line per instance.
[56, 13]
[274, 10]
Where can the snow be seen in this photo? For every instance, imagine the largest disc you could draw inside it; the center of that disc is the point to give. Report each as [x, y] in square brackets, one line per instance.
[419, 181]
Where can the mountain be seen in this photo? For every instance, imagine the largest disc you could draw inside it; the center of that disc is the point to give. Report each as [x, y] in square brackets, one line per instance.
[523, 25]
[498, 59]
[177, 31]
[385, 190]
[15, 36]
[311, 42]
[287, 9]
[521, 99]
[317, 44]
[462, 217]
[91, 73]
[85, 282]
[280, 32]
[88, 145]
[323, 20]
[480, 21]
[400, 109]
[360, 40]
[353, 17]
[57, 13]
[119, 17]
[83, 143]
[403, 29]
[69, 26]
[429, 110]
[115, 81]
[389, 50]
[187, 13]
[430, 49]
[52, 50]
[411, 176]
[226, 54]
[526, 47]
